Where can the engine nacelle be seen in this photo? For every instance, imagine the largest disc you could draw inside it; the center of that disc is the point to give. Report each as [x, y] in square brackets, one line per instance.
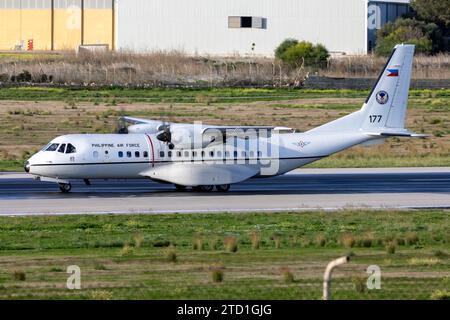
[150, 128]
[189, 136]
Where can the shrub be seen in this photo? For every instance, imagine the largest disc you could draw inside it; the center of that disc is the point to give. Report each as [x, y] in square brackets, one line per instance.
[277, 241]
[321, 240]
[390, 247]
[171, 255]
[100, 266]
[295, 54]
[214, 243]
[284, 46]
[288, 276]
[255, 238]
[366, 241]
[440, 295]
[126, 250]
[411, 239]
[217, 273]
[138, 240]
[347, 240]
[231, 244]
[19, 275]
[197, 243]
[440, 254]
[306, 53]
[359, 284]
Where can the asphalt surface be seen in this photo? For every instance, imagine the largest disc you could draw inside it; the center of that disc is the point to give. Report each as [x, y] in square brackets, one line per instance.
[304, 189]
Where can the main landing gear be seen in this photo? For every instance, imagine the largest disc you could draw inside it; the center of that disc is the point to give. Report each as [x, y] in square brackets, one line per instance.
[65, 187]
[206, 188]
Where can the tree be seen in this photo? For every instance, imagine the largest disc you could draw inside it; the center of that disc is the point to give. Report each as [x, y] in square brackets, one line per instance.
[435, 11]
[426, 36]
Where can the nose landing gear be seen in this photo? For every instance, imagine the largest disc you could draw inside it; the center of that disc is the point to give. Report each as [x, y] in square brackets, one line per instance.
[65, 187]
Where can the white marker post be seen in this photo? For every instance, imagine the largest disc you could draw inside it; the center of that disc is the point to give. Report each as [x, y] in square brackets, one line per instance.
[327, 275]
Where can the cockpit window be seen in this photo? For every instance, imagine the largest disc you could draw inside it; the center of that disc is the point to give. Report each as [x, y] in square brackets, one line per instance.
[62, 148]
[71, 149]
[52, 147]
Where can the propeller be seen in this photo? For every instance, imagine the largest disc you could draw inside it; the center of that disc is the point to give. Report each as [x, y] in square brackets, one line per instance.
[165, 135]
[122, 127]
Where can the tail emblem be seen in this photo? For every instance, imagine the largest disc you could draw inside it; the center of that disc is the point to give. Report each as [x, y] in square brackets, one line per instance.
[392, 72]
[382, 97]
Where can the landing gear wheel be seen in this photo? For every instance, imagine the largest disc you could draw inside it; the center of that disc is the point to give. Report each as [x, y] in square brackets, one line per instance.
[65, 187]
[223, 187]
[179, 187]
[206, 188]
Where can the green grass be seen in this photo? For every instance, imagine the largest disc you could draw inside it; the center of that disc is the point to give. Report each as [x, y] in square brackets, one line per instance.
[216, 95]
[43, 247]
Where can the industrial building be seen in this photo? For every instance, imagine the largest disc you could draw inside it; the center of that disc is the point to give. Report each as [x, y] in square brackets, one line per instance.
[216, 27]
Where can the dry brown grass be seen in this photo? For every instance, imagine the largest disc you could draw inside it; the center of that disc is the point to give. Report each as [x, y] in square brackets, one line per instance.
[178, 68]
[231, 243]
[150, 69]
[255, 239]
[424, 67]
[347, 240]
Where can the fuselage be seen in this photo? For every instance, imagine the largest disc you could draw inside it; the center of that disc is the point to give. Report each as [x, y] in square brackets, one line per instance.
[131, 156]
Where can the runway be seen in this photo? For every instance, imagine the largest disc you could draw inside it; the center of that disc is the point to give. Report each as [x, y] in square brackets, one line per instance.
[303, 189]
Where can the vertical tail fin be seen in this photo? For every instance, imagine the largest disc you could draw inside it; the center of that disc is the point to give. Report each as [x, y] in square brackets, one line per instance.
[386, 104]
[385, 107]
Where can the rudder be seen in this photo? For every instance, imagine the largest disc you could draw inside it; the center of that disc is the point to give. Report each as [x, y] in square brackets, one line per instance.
[386, 104]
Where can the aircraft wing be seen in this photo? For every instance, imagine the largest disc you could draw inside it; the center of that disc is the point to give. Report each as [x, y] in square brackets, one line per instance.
[137, 120]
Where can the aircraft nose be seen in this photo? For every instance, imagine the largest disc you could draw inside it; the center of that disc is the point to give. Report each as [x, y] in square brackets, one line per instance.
[27, 167]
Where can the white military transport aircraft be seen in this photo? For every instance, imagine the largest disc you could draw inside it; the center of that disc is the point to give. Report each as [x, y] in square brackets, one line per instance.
[206, 157]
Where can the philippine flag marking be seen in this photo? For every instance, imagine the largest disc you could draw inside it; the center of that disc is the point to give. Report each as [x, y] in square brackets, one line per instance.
[392, 72]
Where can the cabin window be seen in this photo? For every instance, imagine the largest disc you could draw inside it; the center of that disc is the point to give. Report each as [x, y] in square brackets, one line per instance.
[52, 147]
[120, 154]
[259, 154]
[186, 153]
[252, 154]
[161, 154]
[169, 154]
[235, 153]
[62, 148]
[179, 154]
[106, 152]
[227, 154]
[243, 154]
[219, 154]
[145, 154]
[203, 154]
[194, 154]
[95, 154]
[71, 149]
[128, 154]
[211, 154]
[137, 154]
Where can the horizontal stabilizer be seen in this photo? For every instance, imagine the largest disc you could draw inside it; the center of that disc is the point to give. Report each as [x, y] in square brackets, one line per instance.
[397, 134]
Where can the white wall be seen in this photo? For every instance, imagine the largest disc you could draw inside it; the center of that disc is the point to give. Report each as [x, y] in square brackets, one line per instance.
[201, 26]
